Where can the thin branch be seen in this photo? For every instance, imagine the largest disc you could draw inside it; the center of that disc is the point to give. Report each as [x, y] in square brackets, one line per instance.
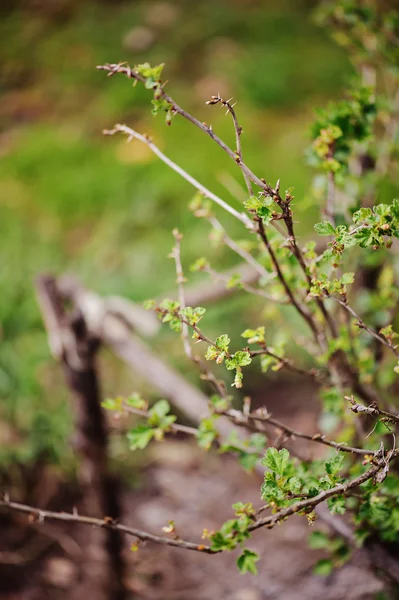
[312, 373]
[238, 132]
[330, 204]
[236, 248]
[105, 523]
[291, 240]
[372, 410]
[362, 325]
[300, 309]
[243, 285]
[209, 291]
[174, 427]
[180, 281]
[263, 416]
[206, 373]
[132, 134]
[129, 72]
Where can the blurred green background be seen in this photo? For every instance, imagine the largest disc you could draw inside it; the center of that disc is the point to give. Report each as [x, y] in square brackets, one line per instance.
[73, 200]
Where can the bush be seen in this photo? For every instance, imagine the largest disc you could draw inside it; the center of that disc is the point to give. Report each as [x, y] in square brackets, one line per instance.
[338, 291]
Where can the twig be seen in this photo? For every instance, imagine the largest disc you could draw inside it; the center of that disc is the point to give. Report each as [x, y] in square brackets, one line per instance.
[302, 311]
[263, 416]
[238, 132]
[174, 427]
[372, 410]
[132, 134]
[243, 285]
[236, 248]
[180, 281]
[313, 374]
[207, 374]
[207, 292]
[330, 204]
[106, 523]
[362, 325]
[129, 72]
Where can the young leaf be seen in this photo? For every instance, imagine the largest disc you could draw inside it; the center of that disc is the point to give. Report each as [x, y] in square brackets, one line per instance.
[247, 562]
[276, 460]
[324, 228]
[323, 567]
[140, 437]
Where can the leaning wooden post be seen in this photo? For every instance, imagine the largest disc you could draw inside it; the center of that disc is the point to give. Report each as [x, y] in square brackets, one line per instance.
[75, 348]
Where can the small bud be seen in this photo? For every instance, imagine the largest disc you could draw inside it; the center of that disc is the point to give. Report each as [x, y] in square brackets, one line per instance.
[134, 547]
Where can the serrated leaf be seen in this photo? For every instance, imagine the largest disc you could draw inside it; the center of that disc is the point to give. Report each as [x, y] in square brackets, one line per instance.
[336, 505]
[347, 278]
[276, 460]
[247, 562]
[334, 465]
[222, 342]
[324, 228]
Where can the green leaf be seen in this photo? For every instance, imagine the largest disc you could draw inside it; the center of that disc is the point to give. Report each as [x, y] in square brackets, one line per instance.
[324, 228]
[362, 214]
[207, 433]
[258, 441]
[248, 460]
[201, 264]
[211, 353]
[294, 485]
[334, 465]
[112, 403]
[230, 363]
[243, 509]
[146, 70]
[323, 567]
[266, 214]
[242, 358]
[247, 562]
[140, 437]
[149, 304]
[160, 409]
[276, 460]
[254, 336]
[222, 342]
[234, 281]
[218, 404]
[347, 278]
[135, 401]
[253, 203]
[318, 540]
[336, 505]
